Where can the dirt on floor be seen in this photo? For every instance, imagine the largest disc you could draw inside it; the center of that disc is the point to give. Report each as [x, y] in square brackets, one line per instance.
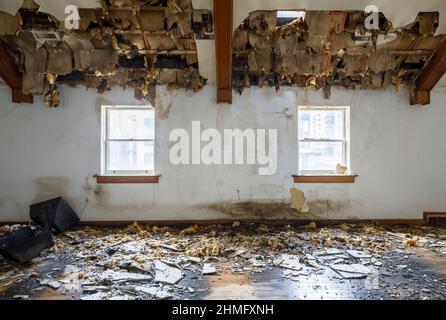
[242, 261]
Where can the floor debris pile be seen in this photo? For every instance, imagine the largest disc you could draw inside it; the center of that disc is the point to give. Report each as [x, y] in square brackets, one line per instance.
[149, 262]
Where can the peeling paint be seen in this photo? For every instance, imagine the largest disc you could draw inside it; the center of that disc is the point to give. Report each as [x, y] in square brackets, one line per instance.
[298, 201]
[161, 111]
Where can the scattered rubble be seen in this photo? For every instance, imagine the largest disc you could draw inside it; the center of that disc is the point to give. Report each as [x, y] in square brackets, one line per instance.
[145, 262]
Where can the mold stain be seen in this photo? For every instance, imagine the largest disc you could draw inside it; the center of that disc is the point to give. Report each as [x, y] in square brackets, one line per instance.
[276, 209]
[260, 209]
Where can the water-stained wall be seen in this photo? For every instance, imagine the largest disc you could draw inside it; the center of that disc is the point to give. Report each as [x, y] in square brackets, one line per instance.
[397, 150]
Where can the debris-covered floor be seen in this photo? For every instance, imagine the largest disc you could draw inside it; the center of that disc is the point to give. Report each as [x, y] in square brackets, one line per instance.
[242, 261]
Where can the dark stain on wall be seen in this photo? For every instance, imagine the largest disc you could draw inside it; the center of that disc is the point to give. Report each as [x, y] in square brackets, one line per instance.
[51, 187]
[260, 209]
[277, 209]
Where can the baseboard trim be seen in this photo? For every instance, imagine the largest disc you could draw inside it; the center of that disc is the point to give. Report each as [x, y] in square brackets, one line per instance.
[417, 222]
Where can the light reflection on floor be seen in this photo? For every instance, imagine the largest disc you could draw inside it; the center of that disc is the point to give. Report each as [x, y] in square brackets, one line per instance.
[324, 285]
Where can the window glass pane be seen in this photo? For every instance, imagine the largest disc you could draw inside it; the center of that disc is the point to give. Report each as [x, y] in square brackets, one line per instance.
[321, 124]
[131, 124]
[320, 156]
[130, 156]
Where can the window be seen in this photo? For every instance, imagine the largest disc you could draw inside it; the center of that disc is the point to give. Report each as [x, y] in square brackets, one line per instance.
[323, 139]
[128, 140]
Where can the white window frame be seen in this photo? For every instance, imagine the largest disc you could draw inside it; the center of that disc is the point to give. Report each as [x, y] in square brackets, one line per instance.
[345, 141]
[105, 111]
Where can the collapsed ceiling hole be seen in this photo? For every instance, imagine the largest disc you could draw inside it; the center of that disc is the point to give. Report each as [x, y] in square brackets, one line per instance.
[284, 17]
[127, 43]
[322, 49]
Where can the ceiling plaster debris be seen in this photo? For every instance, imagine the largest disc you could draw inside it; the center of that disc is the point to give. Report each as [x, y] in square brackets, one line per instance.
[178, 262]
[321, 49]
[126, 43]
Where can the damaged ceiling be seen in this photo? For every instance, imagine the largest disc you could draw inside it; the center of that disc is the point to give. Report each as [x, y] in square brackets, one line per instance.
[142, 43]
[127, 43]
[322, 49]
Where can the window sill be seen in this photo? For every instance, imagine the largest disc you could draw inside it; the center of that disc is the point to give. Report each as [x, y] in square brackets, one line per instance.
[325, 178]
[128, 179]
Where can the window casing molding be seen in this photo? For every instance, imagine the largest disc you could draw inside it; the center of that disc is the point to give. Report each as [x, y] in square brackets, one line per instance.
[345, 142]
[105, 123]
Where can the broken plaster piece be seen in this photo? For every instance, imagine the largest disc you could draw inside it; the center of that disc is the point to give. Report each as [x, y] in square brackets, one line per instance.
[167, 274]
[119, 276]
[352, 271]
[157, 293]
[208, 269]
[290, 262]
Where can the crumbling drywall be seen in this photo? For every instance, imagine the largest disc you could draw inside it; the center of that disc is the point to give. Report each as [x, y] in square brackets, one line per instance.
[322, 49]
[137, 44]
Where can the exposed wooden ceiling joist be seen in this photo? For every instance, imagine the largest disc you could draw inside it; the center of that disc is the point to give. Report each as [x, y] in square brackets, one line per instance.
[223, 15]
[429, 77]
[12, 77]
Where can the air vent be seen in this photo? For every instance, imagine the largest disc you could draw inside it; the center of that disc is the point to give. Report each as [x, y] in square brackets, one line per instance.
[43, 36]
[435, 218]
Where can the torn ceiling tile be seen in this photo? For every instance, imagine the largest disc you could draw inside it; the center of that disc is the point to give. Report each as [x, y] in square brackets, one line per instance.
[124, 43]
[321, 49]
[60, 59]
[152, 21]
[160, 42]
[9, 24]
[182, 22]
[99, 60]
[427, 22]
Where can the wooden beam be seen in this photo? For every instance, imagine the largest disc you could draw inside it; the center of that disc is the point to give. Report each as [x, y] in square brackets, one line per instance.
[18, 96]
[223, 16]
[12, 77]
[429, 77]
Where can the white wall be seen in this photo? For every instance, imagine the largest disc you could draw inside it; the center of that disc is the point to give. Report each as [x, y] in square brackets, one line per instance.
[398, 151]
